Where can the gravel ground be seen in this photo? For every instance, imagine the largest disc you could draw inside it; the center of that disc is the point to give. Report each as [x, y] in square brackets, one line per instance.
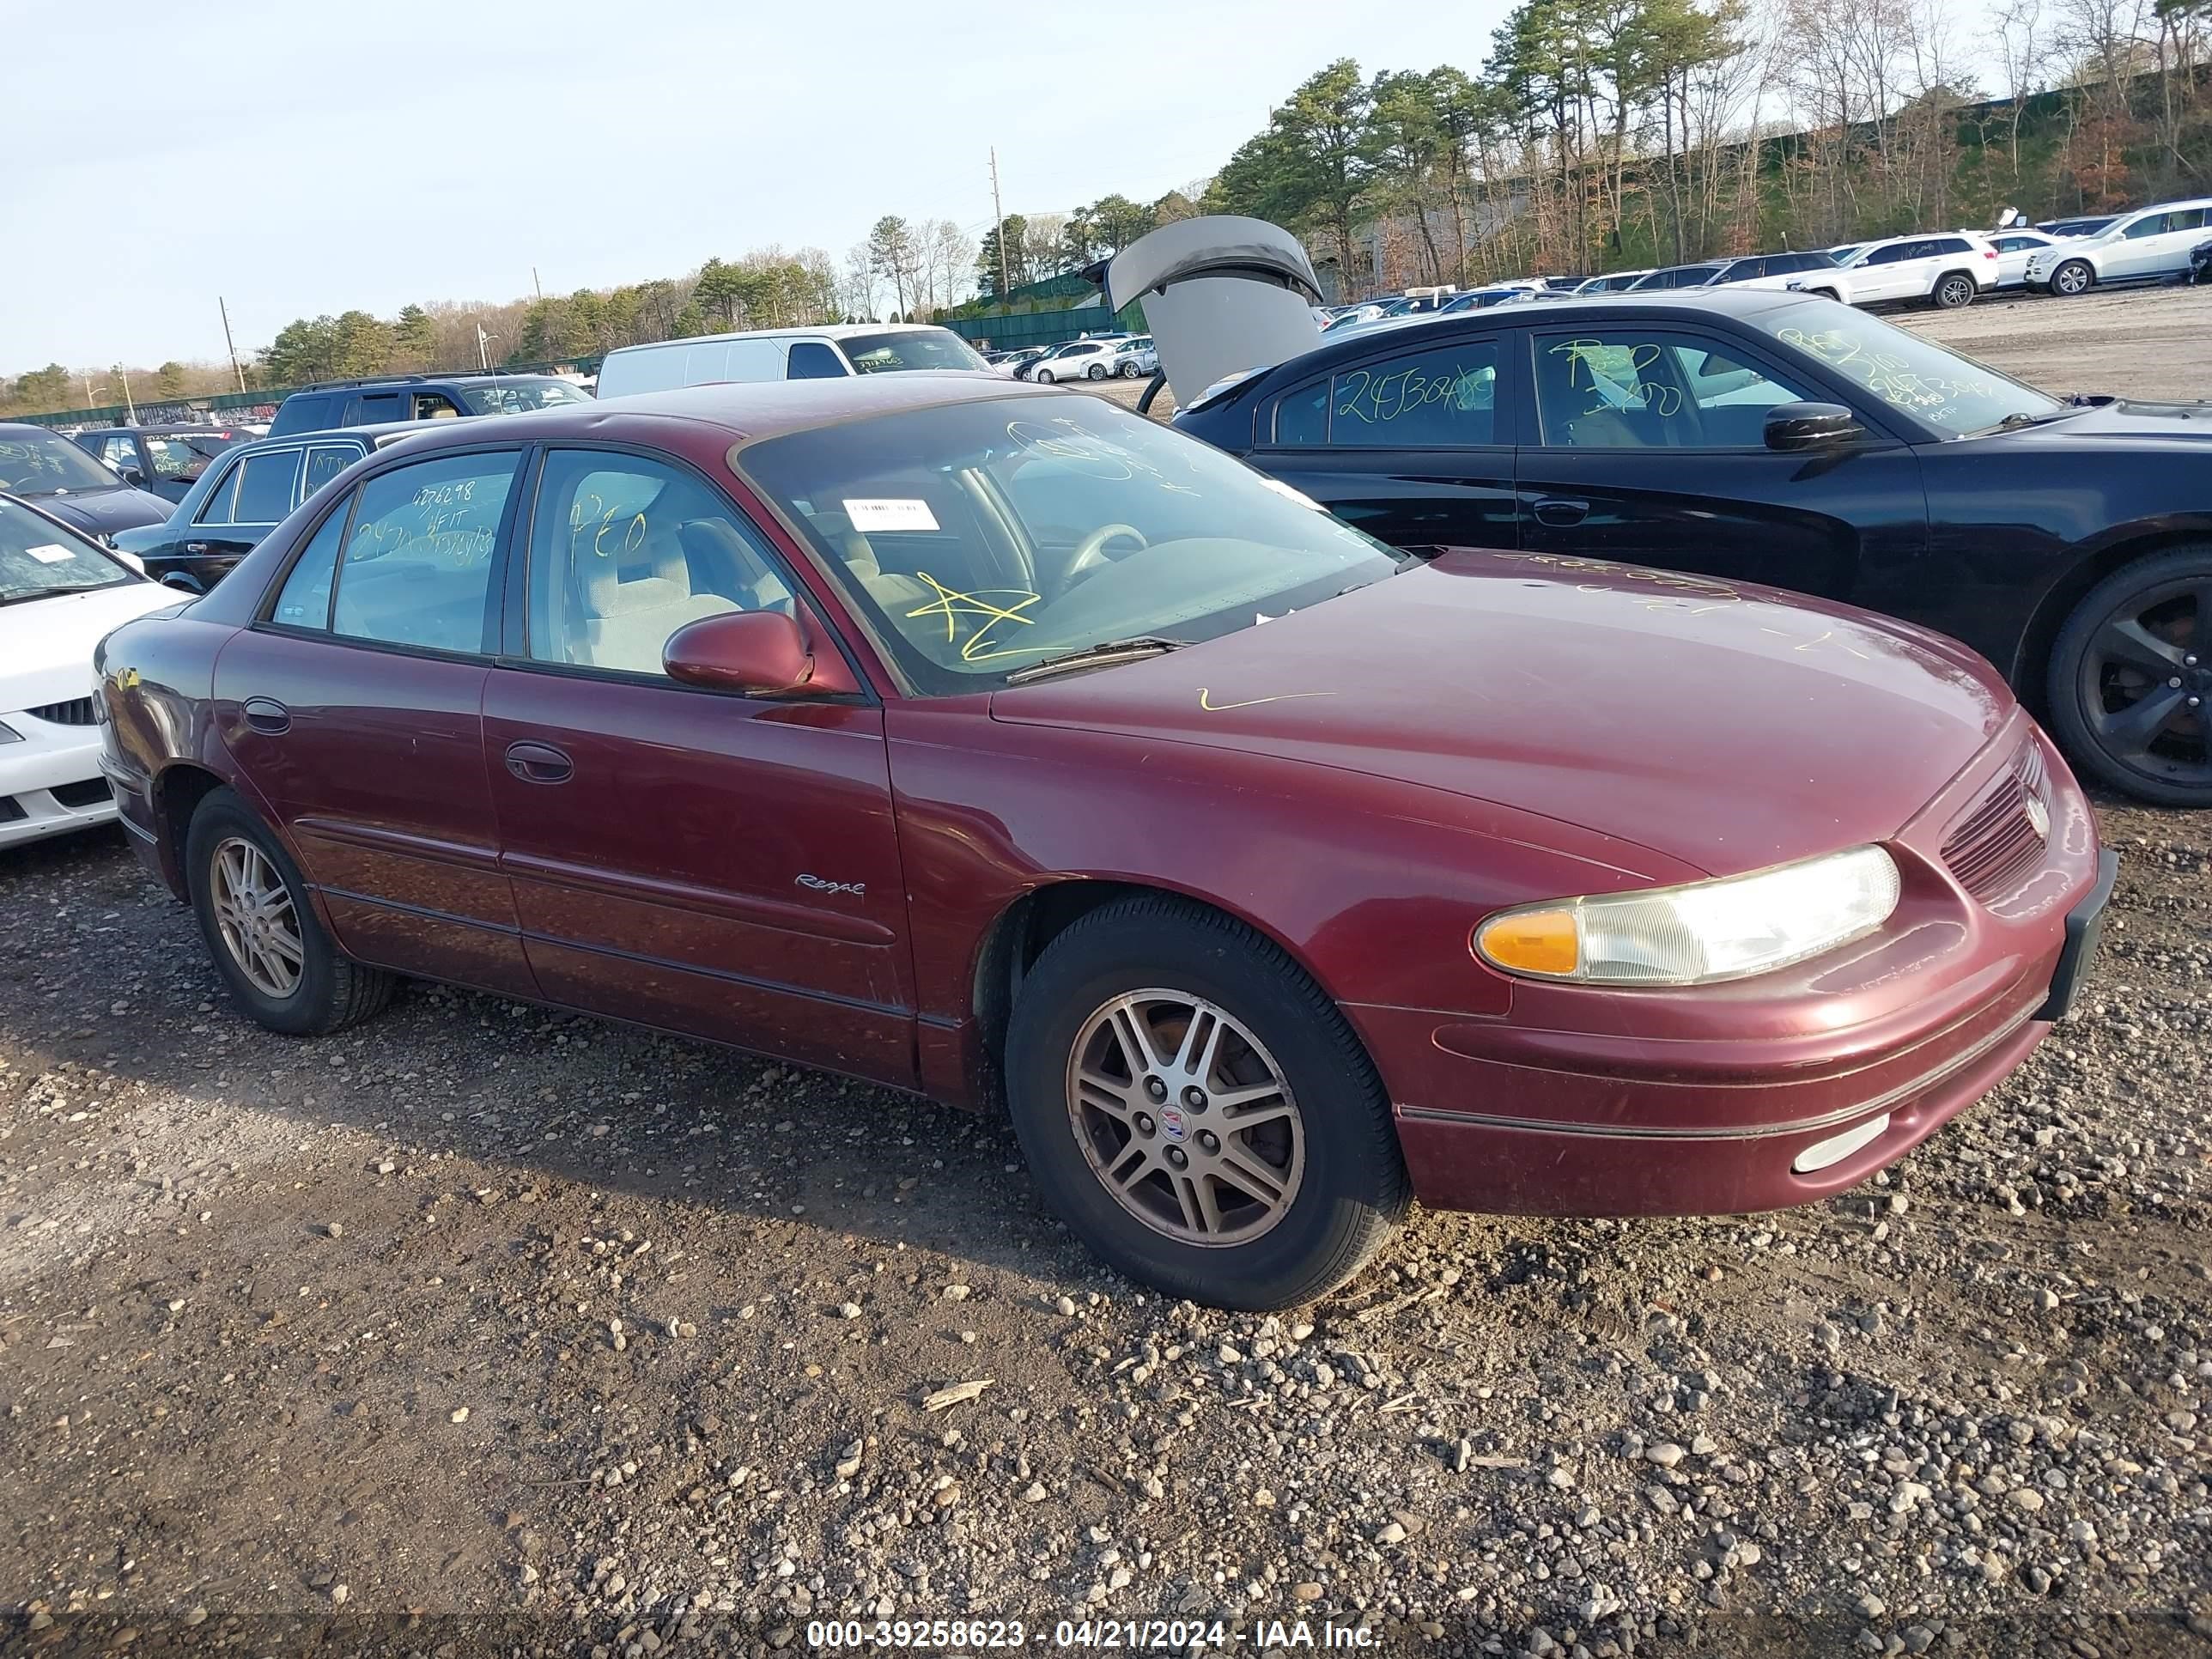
[484, 1329]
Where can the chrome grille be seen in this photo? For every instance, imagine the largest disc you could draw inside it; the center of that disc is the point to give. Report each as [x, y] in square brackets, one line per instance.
[76, 712]
[1997, 841]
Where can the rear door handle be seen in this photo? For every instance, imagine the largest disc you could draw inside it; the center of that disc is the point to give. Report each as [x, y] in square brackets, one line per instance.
[267, 714]
[197, 547]
[1557, 511]
[539, 762]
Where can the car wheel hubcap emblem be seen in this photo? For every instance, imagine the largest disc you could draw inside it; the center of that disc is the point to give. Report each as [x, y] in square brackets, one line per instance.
[256, 918]
[1142, 1069]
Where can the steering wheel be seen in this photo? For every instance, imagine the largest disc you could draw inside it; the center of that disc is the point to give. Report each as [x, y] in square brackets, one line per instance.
[1089, 555]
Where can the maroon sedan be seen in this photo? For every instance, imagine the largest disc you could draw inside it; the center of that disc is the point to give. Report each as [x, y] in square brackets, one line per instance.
[993, 742]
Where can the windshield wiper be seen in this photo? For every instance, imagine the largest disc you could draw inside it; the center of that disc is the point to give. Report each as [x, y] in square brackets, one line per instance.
[1107, 651]
[2019, 418]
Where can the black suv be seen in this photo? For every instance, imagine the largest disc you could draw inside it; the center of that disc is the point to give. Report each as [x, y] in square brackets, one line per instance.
[417, 397]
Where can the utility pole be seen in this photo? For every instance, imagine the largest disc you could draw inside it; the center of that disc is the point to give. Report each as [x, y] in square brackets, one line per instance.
[227, 344]
[483, 362]
[999, 217]
[130, 407]
[534, 288]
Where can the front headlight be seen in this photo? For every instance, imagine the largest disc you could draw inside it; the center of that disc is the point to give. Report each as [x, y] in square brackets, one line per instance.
[1695, 934]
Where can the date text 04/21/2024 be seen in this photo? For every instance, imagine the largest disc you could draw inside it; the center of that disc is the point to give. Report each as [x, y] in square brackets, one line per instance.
[1158, 1635]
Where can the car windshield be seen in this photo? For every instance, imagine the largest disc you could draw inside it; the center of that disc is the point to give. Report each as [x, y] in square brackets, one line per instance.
[980, 538]
[38, 558]
[514, 397]
[46, 464]
[1906, 371]
[922, 348]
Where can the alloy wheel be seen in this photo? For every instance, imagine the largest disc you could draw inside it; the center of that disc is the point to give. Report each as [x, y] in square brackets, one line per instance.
[2146, 682]
[256, 917]
[1185, 1117]
[1953, 292]
[2072, 277]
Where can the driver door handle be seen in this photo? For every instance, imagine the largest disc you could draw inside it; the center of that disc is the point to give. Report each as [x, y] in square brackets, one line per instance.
[539, 762]
[1558, 512]
[196, 547]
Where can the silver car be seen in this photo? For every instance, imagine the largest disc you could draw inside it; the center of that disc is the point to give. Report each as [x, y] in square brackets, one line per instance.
[1134, 358]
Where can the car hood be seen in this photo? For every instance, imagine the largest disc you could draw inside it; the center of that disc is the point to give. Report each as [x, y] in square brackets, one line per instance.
[104, 511]
[1724, 726]
[2126, 418]
[45, 644]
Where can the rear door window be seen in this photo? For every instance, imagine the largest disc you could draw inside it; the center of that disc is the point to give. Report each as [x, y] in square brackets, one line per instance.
[417, 569]
[1443, 397]
[265, 483]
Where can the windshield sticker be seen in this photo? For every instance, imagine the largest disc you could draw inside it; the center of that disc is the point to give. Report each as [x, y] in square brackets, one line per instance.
[899, 514]
[49, 553]
[953, 605]
[1205, 701]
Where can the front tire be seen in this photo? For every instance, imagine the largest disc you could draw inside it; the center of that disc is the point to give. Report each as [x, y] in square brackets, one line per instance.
[1954, 291]
[2074, 277]
[1128, 371]
[275, 957]
[1042, 376]
[2130, 684]
[1198, 1110]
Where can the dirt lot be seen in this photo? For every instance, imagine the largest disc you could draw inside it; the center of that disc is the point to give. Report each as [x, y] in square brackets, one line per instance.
[488, 1328]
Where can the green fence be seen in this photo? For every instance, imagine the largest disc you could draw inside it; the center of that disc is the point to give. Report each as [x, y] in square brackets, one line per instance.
[1035, 328]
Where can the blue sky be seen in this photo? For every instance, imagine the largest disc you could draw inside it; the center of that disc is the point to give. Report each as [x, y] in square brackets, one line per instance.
[304, 159]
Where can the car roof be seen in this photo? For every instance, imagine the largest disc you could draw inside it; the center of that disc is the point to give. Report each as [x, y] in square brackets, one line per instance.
[373, 434]
[797, 332]
[167, 428]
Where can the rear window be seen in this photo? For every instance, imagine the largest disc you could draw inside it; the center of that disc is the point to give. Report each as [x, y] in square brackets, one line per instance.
[265, 487]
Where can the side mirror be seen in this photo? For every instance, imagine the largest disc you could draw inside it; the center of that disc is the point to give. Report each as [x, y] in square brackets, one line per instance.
[1792, 428]
[763, 654]
[135, 476]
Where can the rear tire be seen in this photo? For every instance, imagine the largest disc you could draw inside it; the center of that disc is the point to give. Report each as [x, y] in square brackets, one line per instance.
[1953, 291]
[1326, 1140]
[2073, 277]
[1095, 372]
[307, 987]
[2113, 699]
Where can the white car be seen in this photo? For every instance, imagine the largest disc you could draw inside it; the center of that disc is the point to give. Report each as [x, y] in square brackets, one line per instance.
[1614, 282]
[1077, 360]
[59, 594]
[2015, 249]
[2148, 246]
[1947, 270]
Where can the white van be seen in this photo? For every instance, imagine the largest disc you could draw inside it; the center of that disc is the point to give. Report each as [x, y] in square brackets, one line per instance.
[783, 354]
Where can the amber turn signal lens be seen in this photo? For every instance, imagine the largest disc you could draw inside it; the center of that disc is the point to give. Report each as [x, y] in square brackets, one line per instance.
[1531, 942]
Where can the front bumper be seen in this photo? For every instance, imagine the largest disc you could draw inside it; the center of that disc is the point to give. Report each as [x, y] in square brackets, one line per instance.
[1583, 1100]
[50, 782]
